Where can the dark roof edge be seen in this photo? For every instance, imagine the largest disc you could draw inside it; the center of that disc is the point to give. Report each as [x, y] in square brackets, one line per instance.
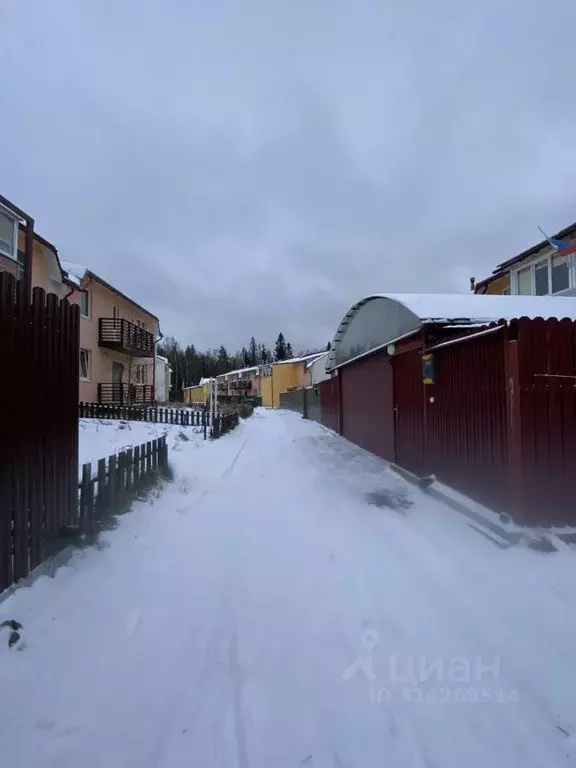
[569, 231]
[98, 279]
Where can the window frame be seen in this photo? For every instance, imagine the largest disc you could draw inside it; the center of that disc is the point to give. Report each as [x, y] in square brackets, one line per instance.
[9, 215]
[88, 363]
[514, 275]
[85, 293]
[141, 374]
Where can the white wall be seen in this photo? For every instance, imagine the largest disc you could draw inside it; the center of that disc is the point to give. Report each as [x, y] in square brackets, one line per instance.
[318, 370]
[161, 379]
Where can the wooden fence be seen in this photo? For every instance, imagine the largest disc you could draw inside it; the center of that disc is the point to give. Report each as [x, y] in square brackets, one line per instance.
[39, 347]
[116, 480]
[224, 423]
[186, 417]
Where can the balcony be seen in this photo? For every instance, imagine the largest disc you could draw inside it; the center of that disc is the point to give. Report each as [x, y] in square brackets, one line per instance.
[241, 384]
[123, 336]
[126, 394]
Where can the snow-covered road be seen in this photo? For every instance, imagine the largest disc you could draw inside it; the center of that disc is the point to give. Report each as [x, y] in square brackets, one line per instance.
[289, 602]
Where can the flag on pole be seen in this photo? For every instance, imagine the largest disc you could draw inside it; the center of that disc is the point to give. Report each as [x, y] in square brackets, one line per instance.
[562, 247]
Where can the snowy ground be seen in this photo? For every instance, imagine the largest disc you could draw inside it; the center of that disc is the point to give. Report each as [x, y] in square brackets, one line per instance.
[288, 602]
[100, 438]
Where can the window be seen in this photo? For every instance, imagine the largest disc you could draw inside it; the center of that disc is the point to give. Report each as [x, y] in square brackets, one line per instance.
[541, 278]
[524, 278]
[8, 235]
[85, 364]
[85, 304]
[140, 373]
[141, 324]
[115, 312]
[560, 274]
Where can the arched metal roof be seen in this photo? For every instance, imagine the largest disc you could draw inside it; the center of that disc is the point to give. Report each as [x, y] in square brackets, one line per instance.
[405, 313]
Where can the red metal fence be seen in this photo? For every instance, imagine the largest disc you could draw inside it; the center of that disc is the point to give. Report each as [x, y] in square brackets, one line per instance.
[410, 451]
[465, 418]
[543, 433]
[498, 423]
[367, 404]
[39, 348]
[329, 403]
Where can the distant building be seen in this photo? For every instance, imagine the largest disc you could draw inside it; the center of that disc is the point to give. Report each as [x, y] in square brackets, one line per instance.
[285, 376]
[244, 382]
[162, 379]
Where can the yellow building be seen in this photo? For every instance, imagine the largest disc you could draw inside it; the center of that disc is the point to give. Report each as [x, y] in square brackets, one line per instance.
[198, 394]
[284, 376]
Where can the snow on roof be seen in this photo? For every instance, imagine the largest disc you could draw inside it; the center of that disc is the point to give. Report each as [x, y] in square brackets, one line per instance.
[481, 308]
[204, 380]
[239, 370]
[390, 316]
[76, 272]
[312, 357]
[315, 359]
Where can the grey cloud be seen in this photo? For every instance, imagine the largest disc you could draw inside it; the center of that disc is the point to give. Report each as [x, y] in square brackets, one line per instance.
[248, 168]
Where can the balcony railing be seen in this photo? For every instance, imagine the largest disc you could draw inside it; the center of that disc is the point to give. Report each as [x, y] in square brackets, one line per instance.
[123, 336]
[125, 393]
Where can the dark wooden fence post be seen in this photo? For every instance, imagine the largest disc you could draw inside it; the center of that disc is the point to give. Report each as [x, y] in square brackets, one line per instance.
[514, 424]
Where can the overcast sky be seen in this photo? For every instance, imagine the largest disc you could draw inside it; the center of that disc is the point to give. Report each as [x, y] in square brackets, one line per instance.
[248, 167]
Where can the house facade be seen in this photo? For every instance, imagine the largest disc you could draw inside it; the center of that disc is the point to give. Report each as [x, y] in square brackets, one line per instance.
[117, 342]
[198, 394]
[244, 382]
[285, 376]
[539, 271]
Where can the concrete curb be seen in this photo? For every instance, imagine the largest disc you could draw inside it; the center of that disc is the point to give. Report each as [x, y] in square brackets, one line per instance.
[513, 537]
[47, 568]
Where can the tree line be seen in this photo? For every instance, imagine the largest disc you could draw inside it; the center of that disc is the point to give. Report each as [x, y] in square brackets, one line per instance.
[189, 365]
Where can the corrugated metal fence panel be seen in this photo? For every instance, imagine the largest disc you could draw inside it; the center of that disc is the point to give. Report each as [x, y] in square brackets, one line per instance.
[547, 371]
[466, 428]
[312, 403]
[329, 403]
[409, 411]
[293, 401]
[368, 404]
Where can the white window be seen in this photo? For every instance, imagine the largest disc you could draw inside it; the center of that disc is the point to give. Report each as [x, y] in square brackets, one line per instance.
[141, 324]
[85, 364]
[524, 278]
[543, 278]
[85, 303]
[560, 274]
[8, 235]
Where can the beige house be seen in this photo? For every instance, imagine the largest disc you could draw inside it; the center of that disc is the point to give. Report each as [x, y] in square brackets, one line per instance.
[244, 382]
[117, 342]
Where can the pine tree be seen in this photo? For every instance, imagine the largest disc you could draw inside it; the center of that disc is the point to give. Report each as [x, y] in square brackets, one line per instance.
[328, 346]
[280, 349]
[289, 353]
[246, 362]
[222, 363]
[253, 352]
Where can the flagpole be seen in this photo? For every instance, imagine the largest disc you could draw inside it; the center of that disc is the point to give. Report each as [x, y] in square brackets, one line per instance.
[548, 239]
